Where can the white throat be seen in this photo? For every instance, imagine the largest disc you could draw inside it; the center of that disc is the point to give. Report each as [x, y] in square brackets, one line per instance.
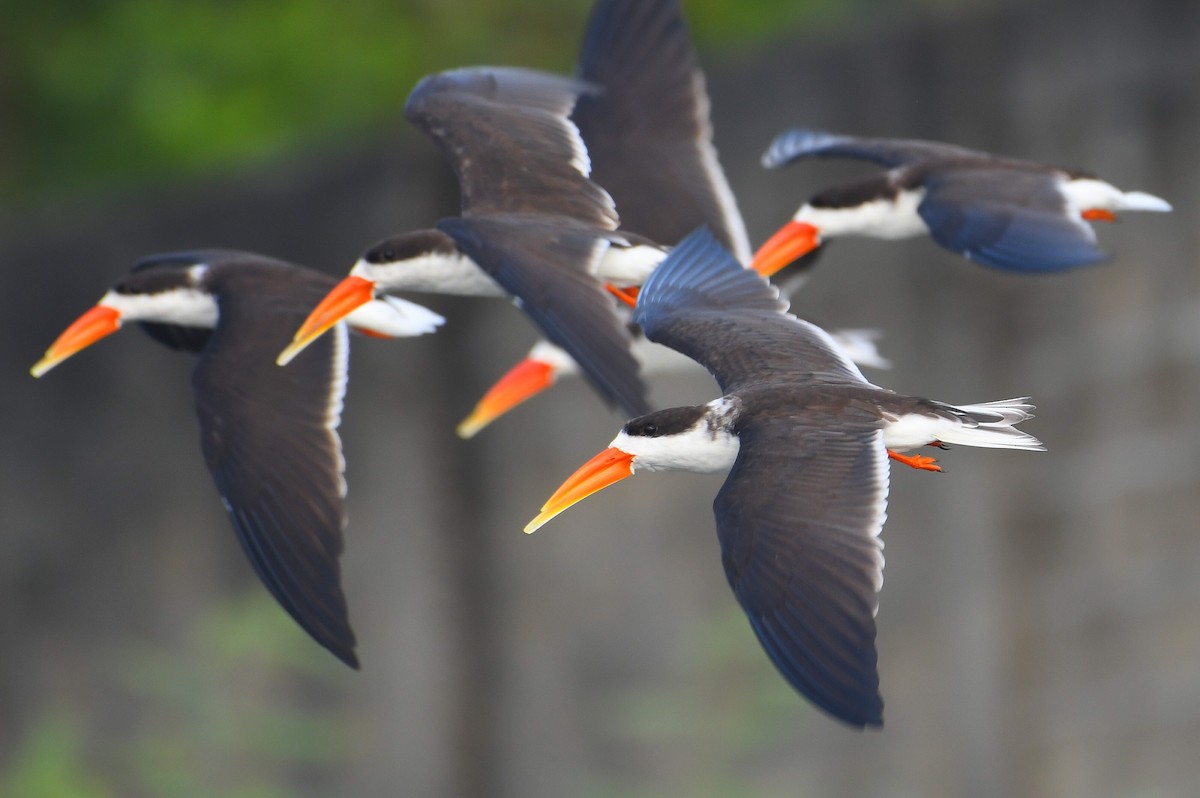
[188, 307]
[886, 217]
[706, 447]
[625, 266]
[435, 273]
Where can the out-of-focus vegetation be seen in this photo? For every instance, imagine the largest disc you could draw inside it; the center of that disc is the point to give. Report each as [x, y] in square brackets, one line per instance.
[714, 724]
[232, 715]
[139, 91]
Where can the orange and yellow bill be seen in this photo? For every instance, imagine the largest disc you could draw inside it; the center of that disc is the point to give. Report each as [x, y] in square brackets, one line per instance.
[792, 241]
[610, 466]
[346, 296]
[89, 328]
[523, 381]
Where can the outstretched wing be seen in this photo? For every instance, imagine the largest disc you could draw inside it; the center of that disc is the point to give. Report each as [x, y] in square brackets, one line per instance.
[796, 144]
[269, 437]
[701, 302]
[511, 143]
[799, 520]
[549, 269]
[648, 129]
[1008, 219]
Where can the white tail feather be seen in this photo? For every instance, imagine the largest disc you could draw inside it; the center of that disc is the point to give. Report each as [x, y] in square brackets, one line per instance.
[989, 425]
[1141, 201]
[395, 318]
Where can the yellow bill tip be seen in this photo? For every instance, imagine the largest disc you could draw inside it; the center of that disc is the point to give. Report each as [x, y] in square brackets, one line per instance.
[346, 296]
[89, 328]
[293, 349]
[523, 381]
[538, 522]
[44, 365]
[608, 467]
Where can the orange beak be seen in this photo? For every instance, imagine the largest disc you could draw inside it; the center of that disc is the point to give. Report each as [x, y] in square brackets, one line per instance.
[611, 465]
[792, 241]
[85, 331]
[523, 381]
[351, 293]
[627, 295]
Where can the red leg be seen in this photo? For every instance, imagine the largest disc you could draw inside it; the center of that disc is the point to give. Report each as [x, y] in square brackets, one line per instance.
[626, 295]
[917, 461]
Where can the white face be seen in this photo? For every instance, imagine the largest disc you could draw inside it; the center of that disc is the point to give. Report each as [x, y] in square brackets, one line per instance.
[434, 273]
[881, 218]
[705, 447]
[188, 307]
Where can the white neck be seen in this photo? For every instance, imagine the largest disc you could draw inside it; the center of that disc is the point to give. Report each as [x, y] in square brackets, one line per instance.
[188, 307]
[889, 218]
[707, 447]
[625, 266]
[435, 273]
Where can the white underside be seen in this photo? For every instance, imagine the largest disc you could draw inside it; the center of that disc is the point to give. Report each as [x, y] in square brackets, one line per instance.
[881, 218]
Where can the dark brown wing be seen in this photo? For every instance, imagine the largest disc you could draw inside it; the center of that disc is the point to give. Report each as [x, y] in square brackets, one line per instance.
[648, 129]
[269, 436]
[511, 143]
[703, 303]
[799, 520]
[548, 268]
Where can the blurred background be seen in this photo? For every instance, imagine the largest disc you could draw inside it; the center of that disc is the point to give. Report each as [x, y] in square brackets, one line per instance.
[1038, 632]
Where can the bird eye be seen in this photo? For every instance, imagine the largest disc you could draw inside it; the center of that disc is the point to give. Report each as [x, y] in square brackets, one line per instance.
[650, 429]
[388, 256]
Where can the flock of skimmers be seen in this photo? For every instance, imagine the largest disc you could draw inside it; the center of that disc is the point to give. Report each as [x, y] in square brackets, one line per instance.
[545, 164]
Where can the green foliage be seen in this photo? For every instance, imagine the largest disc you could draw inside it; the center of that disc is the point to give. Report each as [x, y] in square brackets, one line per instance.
[145, 90]
[732, 708]
[237, 711]
[50, 764]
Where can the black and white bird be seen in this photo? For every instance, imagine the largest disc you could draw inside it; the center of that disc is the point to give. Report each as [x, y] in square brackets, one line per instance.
[650, 141]
[806, 442]
[533, 226]
[269, 435]
[649, 135]
[1013, 215]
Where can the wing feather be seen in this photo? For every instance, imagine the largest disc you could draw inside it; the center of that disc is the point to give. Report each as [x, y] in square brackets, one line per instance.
[648, 131]
[701, 302]
[798, 520]
[797, 144]
[269, 437]
[507, 134]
